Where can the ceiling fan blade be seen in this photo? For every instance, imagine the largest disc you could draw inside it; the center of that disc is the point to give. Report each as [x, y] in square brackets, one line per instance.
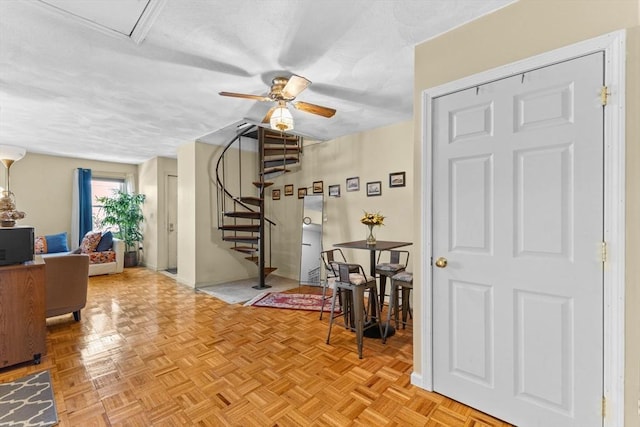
[246, 96]
[314, 109]
[267, 116]
[294, 86]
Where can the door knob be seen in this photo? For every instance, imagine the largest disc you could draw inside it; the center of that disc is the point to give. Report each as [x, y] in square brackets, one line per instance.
[441, 262]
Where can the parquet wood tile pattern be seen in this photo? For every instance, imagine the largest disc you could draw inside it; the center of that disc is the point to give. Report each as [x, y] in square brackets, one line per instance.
[150, 352]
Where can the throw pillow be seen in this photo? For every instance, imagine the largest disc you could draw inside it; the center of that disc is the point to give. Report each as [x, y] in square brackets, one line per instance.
[40, 245]
[90, 242]
[57, 243]
[106, 241]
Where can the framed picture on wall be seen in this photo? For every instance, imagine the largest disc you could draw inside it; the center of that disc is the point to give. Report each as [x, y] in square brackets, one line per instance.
[334, 190]
[318, 187]
[374, 188]
[353, 184]
[288, 190]
[275, 194]
[302, 192]
[396, 179]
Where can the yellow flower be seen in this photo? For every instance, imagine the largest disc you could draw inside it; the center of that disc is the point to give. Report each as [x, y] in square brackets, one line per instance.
[372, 218]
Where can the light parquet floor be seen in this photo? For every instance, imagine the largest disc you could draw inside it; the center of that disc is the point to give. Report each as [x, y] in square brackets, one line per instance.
[149, 352]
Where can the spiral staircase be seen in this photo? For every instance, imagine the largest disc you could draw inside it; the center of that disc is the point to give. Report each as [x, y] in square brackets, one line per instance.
[241, 217]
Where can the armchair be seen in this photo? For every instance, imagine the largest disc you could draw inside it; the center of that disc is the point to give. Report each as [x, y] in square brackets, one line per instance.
[66, 280]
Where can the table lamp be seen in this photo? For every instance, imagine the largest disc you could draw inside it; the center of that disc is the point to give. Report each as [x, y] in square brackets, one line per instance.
[8, 214]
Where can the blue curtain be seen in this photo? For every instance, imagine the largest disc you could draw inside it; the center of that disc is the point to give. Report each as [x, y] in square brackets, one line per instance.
[84, 202]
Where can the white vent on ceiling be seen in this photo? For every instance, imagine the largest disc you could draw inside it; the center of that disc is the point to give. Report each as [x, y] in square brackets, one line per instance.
[129, 18]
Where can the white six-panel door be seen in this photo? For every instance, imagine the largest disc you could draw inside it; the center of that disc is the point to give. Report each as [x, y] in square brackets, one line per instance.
[518, 217]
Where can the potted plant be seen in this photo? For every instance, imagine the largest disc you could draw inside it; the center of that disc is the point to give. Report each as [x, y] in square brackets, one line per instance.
[124, 210]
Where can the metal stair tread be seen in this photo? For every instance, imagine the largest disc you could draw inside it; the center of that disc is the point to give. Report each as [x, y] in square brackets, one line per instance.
[243, 214]
[275, 169]
[251, 200]
[275, 140]
[245, 249]
[280, 157]
[263, 184]
[279, 151]
[269, 270]
[246, 239]
[274, 163]
[241, 227]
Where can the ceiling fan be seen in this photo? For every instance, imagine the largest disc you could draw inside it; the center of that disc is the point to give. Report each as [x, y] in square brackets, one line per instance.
[284, 90]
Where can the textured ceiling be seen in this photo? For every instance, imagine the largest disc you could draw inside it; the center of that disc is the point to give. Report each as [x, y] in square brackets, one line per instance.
[73, 89]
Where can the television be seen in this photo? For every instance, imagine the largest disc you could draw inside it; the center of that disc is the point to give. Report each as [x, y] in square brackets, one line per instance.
[16, 245]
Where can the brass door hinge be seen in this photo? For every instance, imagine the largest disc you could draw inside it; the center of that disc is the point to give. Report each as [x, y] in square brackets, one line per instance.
[604, 407]
[604, 95]
[604, 251]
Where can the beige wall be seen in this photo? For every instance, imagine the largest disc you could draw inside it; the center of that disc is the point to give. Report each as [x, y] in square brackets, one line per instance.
[632, 306]
[369, 155]
[519, 31]
[153, 181]
[148, 179]
[43, 188]
[186, 214]
[203, 258]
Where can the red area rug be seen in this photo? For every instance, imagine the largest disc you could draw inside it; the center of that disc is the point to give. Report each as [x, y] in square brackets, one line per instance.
[308, 302]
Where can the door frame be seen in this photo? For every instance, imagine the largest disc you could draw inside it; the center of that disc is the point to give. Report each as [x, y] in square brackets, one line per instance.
[167, 177]
[613, 45]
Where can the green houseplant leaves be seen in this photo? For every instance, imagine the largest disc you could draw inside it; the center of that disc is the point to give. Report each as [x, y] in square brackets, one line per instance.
[125, 211]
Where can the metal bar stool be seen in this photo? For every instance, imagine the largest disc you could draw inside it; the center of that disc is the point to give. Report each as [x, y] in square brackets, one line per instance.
[401, 282]
[398, 261]
[329, 259]
[356, 284]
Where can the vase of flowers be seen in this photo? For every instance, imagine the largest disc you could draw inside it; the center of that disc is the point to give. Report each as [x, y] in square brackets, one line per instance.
[372, 220]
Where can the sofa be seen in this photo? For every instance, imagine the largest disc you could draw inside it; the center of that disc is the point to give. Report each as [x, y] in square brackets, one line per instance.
[105, 252]
[66, 281]
[101, 263]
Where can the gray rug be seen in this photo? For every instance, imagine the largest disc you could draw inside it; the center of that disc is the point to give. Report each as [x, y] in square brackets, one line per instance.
[241, 291]
[28, 402]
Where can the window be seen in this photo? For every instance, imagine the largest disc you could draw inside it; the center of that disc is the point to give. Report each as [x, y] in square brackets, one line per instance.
[101, 187]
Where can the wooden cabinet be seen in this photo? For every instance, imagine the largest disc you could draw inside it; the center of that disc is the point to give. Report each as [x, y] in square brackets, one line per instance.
[22, 313]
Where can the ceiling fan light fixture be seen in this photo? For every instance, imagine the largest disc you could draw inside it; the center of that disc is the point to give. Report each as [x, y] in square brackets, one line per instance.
[281, 119]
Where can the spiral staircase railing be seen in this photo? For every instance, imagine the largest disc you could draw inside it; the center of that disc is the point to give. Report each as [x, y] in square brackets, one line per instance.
[241, 217]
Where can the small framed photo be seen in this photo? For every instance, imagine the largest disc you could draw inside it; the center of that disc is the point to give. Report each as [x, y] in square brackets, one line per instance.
[374, 188]
[318, 187]
[353, 184]
[334, 190]
[275, 194]
[396, 179]
[302, 192]
[288, 190]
